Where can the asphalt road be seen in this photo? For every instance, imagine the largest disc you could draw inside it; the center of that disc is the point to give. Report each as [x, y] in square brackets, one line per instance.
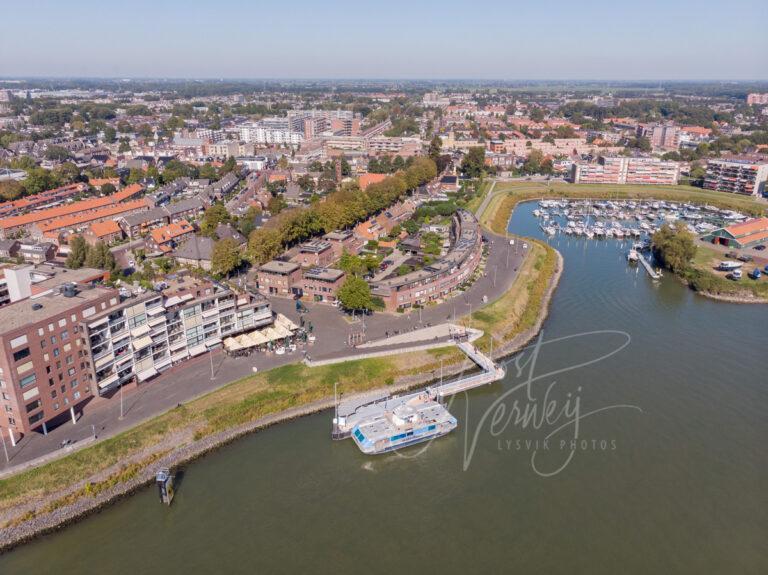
[331, 326]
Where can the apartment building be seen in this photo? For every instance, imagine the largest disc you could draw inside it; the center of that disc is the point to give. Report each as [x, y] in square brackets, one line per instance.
[663, 136]
[757, 99]
[737, 176]
[278, 278]
[66, 341]
[146, 334]
[315, 253]
[322, 284]
[442, 277]
[621, 170]
[45, 365]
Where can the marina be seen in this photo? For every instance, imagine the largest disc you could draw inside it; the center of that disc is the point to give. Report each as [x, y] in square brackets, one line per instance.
[627, 219]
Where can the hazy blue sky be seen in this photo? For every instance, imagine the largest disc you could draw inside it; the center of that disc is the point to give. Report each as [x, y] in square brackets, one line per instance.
[506, 39]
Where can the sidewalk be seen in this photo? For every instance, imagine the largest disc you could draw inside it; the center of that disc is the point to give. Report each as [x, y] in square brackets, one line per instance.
[193, 378]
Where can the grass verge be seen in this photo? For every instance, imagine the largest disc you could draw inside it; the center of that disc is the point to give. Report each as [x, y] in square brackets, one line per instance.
[268, 393]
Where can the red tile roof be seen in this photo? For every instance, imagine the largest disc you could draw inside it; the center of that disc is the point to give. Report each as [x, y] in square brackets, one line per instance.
[748, 227]
[106, 228]
[77, 219]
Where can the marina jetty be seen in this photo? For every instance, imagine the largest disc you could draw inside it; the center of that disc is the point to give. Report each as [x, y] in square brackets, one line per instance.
[381, 423]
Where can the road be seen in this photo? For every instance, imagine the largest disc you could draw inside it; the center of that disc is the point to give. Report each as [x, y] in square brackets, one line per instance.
[332, 327]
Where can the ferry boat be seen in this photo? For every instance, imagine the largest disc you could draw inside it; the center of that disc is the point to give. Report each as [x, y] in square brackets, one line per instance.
[416, 420]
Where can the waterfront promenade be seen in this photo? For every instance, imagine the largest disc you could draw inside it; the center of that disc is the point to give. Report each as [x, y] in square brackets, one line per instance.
[206, 373]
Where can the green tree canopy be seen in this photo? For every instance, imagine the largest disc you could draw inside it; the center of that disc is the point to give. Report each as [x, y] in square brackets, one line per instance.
[225, 257]
[674, 246]
[355, 294]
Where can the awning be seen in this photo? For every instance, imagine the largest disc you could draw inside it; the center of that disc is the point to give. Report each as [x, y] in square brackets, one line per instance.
[213, 341]
[255, 338]
[162, 364]
[98, 322]
[178, 345]
[231, 344]
[146, 374]
[156, 310]
[285, 322]
[210, 312]
[141, 342]
[141, 330]
[156, 321]
[102, 361]
[109, 381]
[179, 356]
[197, 350]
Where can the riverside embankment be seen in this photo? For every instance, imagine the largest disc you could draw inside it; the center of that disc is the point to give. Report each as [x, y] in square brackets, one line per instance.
[191, 430]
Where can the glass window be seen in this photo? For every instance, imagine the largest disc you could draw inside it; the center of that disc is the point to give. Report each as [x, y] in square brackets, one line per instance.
[21, 354]
[27, 381]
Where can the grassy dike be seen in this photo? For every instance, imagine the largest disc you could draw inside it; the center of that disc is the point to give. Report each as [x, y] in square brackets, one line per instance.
[36, 497]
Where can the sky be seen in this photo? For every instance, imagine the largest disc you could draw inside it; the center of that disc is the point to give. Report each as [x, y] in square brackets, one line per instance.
[415, 39]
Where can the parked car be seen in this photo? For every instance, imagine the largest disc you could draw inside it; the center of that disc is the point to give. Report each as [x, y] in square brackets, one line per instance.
[732, 255]
[745, 258]
[760, 247]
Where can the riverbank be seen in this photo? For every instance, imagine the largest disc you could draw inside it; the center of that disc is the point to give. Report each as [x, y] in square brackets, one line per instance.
[43, 499]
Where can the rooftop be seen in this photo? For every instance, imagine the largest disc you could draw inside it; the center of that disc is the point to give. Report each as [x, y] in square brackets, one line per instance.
[324, 274]
[279, 267]
[26, 312]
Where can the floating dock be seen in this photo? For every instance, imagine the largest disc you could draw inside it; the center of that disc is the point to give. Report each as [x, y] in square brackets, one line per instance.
[651, 272]
[377, 423]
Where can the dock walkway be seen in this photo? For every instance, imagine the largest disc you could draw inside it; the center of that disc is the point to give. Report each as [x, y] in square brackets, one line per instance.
[651, 272]
[355, 410]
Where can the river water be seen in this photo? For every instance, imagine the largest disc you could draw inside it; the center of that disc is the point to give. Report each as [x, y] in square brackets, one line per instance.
[656, 461]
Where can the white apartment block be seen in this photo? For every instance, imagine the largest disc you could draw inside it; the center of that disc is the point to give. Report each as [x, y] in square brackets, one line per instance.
[145, 335]
[620, 170]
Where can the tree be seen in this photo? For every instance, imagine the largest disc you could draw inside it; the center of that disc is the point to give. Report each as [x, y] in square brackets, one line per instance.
[435, 146]
[11, 190]
[473, 163]
[108, 189]
[77, 252]
[215, 215]
[230, 165]
[536, 114]
[125, 145]
[351, 264]
[207, 172]
[225, 257]
[355, 294]
[264, 244]
[96, 255]
[110, 135]
[56, 153]
[674, 246]
[38, 180]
